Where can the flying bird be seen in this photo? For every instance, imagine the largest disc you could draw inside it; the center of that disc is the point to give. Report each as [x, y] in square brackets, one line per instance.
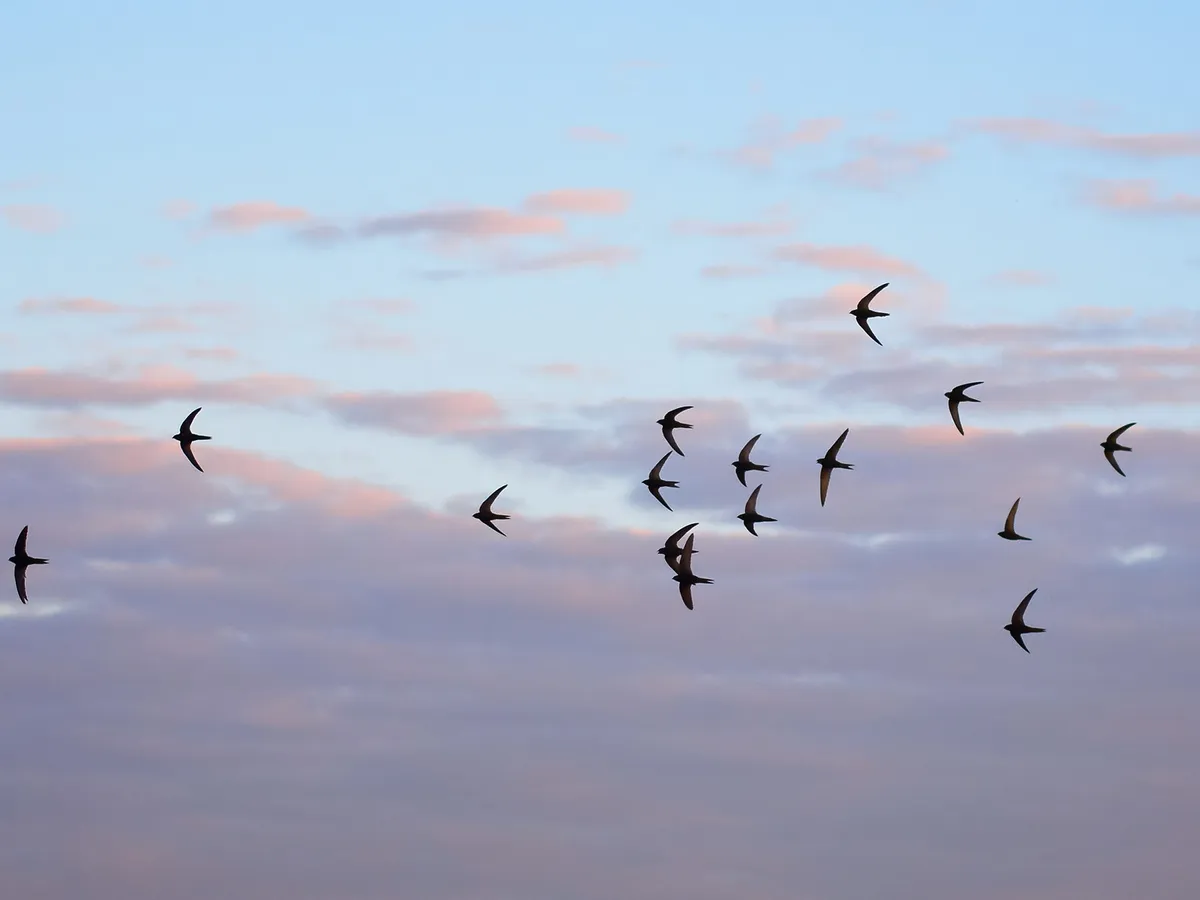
[743, 465]
[1110, 446]
[684, 574]
[863, 311]
[1009, 533]
[21, 561]
[671, 550]
[1018, 627]
[751, 516]
[655, 481]
[829, 462]
[485, 514]
[669, 424]
[185, 437]
[956, 397]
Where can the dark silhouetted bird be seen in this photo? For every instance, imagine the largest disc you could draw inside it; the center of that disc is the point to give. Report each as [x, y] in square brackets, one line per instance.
[1018, 627]
[655, 481]
[684, 574]
[669, 424]
[863, 311]
[743, 465]
[185, 437]
[1111, 446]
[671, 550]
[1009, 533]
[21, 561]
[750, 517]
[485, 514]
[829, 462]
[955, 397]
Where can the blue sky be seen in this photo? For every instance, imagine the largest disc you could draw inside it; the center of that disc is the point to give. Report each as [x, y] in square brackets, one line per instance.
[595, 215]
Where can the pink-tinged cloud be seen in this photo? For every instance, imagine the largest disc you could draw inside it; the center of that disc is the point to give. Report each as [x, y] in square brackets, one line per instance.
[589, 135]
[154, 384]
[588, 201]
[70, 305]
[1022, 278]
[856, 258]
[880, 163]
[384, 305]
[603, 257]
[33, 218]
[1140, 196]
[559, 370]
[431, 413]
[731, 271]
[1045, 131]
[480, 222]
[215, 354]
[376, 340]
[178, 209]
[770, 139]
[162, 323]
[761, 228]
[255, 214]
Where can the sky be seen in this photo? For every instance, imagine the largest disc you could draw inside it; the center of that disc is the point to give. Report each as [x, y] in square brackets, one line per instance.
[403, 255]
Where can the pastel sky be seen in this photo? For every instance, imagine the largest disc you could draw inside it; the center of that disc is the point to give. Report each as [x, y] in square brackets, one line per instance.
[402, 255]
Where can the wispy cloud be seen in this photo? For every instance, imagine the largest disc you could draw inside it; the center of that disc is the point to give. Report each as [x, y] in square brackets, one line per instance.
[854, 258]
[1140, 196]
[881, 163]
[770, 138]
[254, 214]
[589, 135]
[1046, 131]
[590, 201]
[34, 218]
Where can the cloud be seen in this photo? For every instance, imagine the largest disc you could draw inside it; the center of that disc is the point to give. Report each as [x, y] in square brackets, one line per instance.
[255, 214]
[759, 228]
[35, 219]
[431, 413]
[770, 139]
[178, 209]
[477, 223]
[71, 305]
[1138, 196]
[857, 258]
[385, 305]
[590, 135]
[604, 257]
[731, 271]
[880, 163]
[1045, 131]
[590, 201]
[1022, 278]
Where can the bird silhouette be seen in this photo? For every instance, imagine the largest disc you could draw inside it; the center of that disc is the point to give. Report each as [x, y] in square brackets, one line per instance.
[750, 517]
[185, 437]
[684, 575]
[671, 550]
[669, 424]
[485, 514]
[21, 561]
[829, 462]
[956, 396]
[1009, 533]
[1111, 446]
[1018, 627]
[742, 464]
[863, 312]
[655, 482]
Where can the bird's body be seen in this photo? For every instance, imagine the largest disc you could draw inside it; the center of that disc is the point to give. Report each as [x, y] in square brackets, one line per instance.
[684, 575]
[671, 550]
[1017, 626]
[742, 464]
[862, 312]
[955, 397]
[655, 482]
[186, 437]
[1111, 446]
[21, 561]
[750, 517]
[1010, 533]
[829, 462]
[485, 514]
[669, 424]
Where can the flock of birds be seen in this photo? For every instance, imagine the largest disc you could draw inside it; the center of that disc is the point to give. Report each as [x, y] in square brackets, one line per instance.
[678, 558]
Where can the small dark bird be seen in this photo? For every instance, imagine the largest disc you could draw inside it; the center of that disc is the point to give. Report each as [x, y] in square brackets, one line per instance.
[751, 516]
[485, 514]
[684, 574]
[1110, 446]
[956, 397]
[863, 311]
[1018, 627]
[743, 465]
[829, 462]
[185, 437]
[21, 561]
[671, 550]
[669, 424]
[655, 482]
[1009, 533]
